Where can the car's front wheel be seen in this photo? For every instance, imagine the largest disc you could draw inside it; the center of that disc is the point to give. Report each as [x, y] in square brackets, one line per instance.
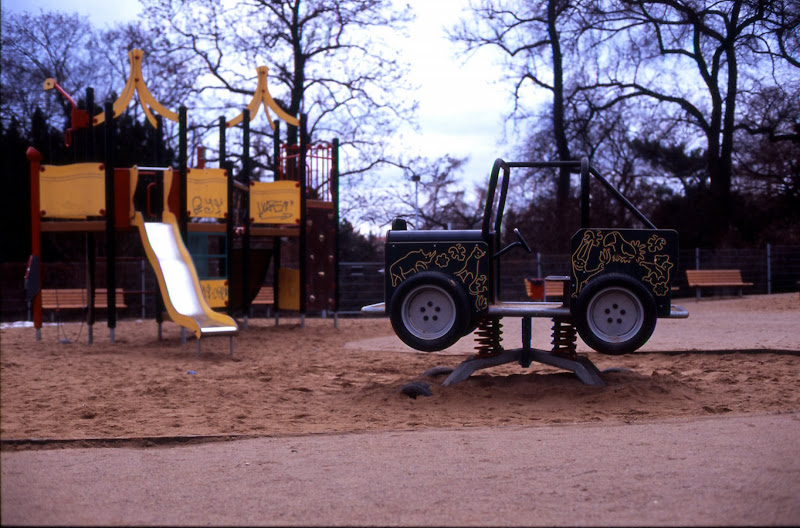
[615, 314]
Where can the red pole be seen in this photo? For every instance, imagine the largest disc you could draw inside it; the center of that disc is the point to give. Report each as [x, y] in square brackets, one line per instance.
[201, 157]
[35, 159]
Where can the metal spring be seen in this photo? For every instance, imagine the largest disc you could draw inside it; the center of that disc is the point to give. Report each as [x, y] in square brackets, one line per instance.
[488, 337]
[565, 336]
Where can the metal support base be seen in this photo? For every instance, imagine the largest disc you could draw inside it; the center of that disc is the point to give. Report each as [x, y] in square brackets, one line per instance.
[111, 336]
[581, 366]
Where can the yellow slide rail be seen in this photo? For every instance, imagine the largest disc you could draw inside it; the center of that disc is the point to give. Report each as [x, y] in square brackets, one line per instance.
[177, 278]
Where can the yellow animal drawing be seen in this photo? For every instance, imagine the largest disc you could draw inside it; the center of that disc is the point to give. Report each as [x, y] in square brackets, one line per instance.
[473, 261]
[411, 263]
[588, 262]
[471, 271]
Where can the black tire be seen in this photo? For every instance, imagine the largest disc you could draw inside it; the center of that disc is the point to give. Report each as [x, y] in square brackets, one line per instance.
[615, 314]
[429, 311]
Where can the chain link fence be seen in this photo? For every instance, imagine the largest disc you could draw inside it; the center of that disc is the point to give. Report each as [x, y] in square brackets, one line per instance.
[771, 269]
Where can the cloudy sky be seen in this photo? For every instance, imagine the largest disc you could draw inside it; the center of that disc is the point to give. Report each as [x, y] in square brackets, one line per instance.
[461, 108]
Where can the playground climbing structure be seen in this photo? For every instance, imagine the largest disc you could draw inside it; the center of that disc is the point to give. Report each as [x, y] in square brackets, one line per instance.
[166, 204]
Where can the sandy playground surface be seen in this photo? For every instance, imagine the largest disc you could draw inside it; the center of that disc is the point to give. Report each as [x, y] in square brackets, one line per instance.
[733, 355]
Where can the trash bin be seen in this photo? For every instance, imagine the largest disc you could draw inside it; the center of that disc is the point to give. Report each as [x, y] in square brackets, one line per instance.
[535, 288]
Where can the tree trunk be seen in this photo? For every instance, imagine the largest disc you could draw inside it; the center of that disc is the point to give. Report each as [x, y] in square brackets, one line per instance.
[559, 127]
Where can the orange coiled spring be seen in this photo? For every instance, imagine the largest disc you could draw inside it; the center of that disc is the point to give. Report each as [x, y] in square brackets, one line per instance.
[488, 337]
[565, 336]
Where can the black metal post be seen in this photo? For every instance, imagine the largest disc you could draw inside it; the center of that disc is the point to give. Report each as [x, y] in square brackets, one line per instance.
[158, 142]
[276, 150]
[90, 130]
[335, 198]
[91, 251]
[276, 241]
[229, 219]
[183, 208]
[301, 173]
[90, 282]
[246, 204]
[111, 239]
[585, 192]
[222, 148]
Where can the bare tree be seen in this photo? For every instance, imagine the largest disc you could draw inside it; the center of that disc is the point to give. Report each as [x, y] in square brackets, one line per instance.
[697, 62]
[35, 47]
[327, 58]
[438, 199]
[532, 36]
[77, 55]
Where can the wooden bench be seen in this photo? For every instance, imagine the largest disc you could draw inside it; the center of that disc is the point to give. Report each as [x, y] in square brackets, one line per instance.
[553, 287]
[265, 296]
[67, 298]
[731, 278]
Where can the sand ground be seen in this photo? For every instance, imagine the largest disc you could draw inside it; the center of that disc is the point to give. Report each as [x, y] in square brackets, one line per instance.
[733, 359]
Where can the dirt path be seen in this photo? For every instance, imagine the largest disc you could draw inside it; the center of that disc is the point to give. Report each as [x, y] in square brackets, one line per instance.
[741, 470]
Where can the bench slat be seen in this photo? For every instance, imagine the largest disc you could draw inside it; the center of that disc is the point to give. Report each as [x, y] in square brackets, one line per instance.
[716, 278]
[73, 298]
[266, 295]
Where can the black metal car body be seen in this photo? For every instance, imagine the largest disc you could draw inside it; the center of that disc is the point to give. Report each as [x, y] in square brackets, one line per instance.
[440, 285]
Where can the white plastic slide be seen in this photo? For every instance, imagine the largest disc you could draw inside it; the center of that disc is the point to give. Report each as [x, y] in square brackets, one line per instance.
[177, 278]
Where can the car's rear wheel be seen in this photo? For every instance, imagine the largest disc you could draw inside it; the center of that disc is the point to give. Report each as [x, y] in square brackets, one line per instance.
[429, 311]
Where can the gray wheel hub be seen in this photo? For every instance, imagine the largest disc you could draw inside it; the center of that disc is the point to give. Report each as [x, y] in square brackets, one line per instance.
[615, 314]
[428, 312]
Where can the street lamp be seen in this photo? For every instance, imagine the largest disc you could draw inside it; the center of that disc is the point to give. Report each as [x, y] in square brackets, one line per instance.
[415, 179]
